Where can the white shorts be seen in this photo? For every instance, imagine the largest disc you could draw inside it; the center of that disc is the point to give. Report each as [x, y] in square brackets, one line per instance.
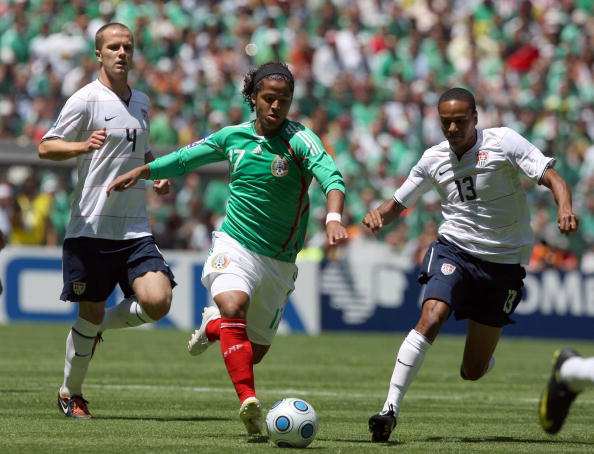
[267, 281]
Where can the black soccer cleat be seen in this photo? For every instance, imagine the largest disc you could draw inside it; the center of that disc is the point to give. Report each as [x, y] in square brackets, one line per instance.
[556, 398]
[381, 426]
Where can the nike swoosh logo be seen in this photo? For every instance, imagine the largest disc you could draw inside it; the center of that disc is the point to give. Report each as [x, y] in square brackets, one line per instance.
[64, 406]
[110, 118]
[404, 364]
[441, 173]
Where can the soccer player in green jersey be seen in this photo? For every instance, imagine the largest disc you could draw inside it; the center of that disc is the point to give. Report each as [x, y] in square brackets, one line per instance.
[251, 270]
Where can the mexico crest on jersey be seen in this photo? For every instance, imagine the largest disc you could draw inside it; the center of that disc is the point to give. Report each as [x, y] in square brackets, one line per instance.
[220, 261]
[447, 268]
[481, 158]
[79, 287]
[279, 167]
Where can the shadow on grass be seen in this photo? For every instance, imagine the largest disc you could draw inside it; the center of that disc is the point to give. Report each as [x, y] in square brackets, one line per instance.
[364, 442]
[164, 419]
[504, 440]
[18, 391]
[258, 439]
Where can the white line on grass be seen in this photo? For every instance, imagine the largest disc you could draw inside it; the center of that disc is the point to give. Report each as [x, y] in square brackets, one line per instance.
[299, 392]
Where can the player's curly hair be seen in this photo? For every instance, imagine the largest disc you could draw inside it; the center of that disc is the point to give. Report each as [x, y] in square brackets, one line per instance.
[250, 88]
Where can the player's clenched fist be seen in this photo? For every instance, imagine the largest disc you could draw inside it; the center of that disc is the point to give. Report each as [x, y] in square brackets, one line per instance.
[383, 215]
[128, 179]
[373, 220]
[567, 223]
[95, 140]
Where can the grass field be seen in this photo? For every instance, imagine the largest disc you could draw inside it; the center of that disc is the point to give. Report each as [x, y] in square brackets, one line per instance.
[149, 395]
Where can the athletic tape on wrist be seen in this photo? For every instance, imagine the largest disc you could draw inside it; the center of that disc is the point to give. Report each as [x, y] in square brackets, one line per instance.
[333, 217]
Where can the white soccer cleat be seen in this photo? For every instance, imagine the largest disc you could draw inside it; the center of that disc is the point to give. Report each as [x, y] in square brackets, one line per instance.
[198, 343]
[250, 414]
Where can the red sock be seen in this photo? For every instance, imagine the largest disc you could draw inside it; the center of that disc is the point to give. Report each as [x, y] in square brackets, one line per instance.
[238, 356]
[213, 330]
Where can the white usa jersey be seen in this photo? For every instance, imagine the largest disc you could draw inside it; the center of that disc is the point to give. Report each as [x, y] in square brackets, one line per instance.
[122, 215]
[483, 204]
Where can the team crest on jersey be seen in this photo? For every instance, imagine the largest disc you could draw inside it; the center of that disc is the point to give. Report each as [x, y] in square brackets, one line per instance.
[220, 261]
[481, 158]
[447, 269]
[279, 167]
[79, 287]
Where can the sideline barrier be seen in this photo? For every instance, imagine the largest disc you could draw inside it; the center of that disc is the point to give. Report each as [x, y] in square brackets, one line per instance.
[383, 295]
[32, 279]
[364, 292]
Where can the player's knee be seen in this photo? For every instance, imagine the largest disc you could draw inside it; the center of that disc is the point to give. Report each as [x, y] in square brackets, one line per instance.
[435, 314]
[234, 308]
[92, 312]
[259, 352]
[471, 373]
[157, 306]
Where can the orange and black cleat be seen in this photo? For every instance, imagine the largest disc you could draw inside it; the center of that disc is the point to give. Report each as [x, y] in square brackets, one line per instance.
[74, 407]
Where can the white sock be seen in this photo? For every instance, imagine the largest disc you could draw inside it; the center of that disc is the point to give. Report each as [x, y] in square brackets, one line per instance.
[126, 314]
[578, 373]
[490, 366]
[408, 362]
[79, 344]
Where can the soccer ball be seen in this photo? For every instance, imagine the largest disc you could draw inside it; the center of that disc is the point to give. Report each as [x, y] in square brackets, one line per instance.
[291, 423]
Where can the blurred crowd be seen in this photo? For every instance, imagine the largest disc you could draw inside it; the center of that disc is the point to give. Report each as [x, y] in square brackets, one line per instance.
[368, 76]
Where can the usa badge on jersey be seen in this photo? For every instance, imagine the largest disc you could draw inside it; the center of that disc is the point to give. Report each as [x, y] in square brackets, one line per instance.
[447, 269]
[279, 167]
[79, 287]
[481, 158]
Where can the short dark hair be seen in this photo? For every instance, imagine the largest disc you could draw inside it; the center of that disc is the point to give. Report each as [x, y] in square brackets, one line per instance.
[250, 88]
[100, 32]
[459, 94]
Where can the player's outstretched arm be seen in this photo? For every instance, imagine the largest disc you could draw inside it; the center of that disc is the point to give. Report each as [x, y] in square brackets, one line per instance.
[383, 215]
[567, 221]
[60, 149]
[129, 179]
[335, 231]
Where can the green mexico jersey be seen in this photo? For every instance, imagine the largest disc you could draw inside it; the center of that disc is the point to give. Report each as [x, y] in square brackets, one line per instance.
[268, 207]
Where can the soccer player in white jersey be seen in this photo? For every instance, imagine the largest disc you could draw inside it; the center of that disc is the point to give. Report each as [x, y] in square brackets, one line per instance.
[570, 376]
[105, 126]
[251, 270]
[474, 270]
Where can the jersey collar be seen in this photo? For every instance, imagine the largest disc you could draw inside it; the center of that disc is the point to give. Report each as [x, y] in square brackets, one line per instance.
[473, 149]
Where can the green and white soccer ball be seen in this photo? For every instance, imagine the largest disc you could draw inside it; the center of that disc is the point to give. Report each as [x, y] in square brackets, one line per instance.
[291, 423]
